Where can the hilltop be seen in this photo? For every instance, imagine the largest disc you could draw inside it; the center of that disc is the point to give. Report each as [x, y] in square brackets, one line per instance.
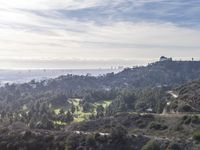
[161, 73]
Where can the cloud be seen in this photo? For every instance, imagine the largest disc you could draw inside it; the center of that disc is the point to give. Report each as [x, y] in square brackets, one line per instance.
[180, 12]
[47, 4]
[96, 41]
[65, 4]
[104, 30]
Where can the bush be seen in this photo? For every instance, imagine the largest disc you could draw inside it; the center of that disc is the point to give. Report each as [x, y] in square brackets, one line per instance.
[157, 126]
[119, 132]
[174, 146]
[196, 136]
[184, 108]
[151, 145]
[186, 119]
[174, 105]
[141, 123]
[178, 127]
[195, 119]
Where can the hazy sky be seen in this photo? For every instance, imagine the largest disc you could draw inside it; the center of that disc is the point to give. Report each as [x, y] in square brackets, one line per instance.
[96, 33]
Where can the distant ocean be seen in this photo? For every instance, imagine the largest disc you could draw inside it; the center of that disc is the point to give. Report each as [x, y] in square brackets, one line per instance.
[21, 76]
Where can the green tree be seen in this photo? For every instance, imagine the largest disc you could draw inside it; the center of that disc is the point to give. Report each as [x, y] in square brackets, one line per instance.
[73, 109]
[62, 112]
[100, 111]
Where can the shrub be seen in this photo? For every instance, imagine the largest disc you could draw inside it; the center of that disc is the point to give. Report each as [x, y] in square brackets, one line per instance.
[186, 119]
[151, 145]
[174, 146]
[184, 108]
[195, 119]
[157, 126]
[174, 105]
[119, 132]
[196, 136]
[178, 127]
[141, 123]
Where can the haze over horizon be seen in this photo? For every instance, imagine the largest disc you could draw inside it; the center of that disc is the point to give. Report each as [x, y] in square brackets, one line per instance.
[97, 33]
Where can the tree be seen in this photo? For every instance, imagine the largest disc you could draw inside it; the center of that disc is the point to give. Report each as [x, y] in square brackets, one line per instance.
[100, 111]
[45, 123]
[119, 132]
[69, 117]
[73, 109]
[129, 98]
[62, 112]
[86, 107]
[196, 136]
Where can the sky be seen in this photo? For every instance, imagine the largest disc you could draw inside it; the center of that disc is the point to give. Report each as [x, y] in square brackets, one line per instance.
[96, 33]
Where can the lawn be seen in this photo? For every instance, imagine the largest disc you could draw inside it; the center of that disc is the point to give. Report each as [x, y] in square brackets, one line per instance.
[79, 115]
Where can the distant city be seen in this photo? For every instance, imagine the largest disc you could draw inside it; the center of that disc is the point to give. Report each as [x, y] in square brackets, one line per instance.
[26, 75]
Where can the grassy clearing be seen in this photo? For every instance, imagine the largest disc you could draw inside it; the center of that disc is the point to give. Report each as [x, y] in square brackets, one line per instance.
[105, 103]
[79, 115]
[57, 111]
[60, 123]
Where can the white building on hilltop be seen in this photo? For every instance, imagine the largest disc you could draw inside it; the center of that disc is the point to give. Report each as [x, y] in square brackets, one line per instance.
[163, 58]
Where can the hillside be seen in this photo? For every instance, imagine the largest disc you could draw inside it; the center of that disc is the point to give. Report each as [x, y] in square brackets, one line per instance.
[133, 89]
[157, 74]
[188, 99]
[109, 112]
[161, 73]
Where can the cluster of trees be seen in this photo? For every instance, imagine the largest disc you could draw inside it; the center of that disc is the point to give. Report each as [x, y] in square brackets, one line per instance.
[100, 94]
[38, 115]
[141, 100]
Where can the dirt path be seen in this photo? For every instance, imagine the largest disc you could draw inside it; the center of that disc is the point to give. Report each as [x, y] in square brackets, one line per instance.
[173, 94]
